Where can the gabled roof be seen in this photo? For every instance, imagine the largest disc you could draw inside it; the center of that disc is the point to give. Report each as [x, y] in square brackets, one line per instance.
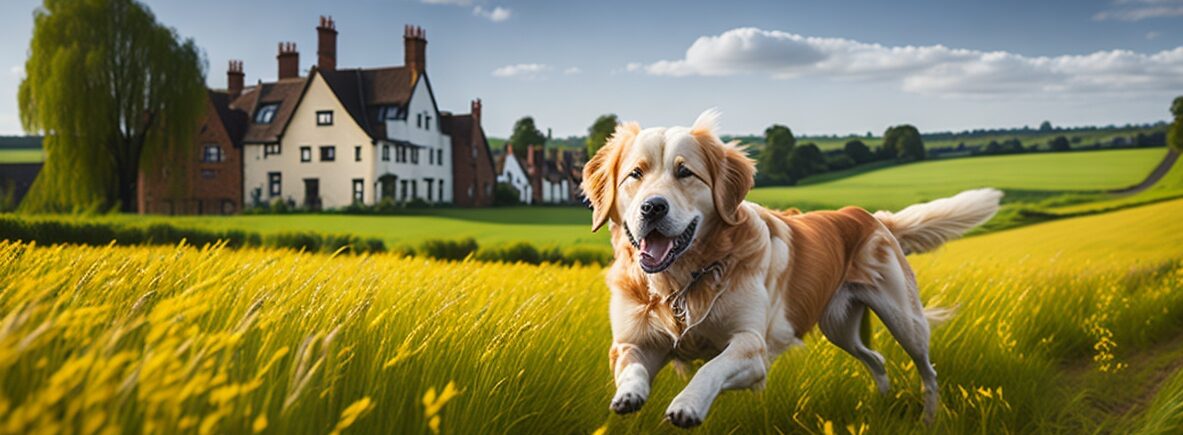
[460, 128]
[233, 120]
[285, 92]
[364, 91]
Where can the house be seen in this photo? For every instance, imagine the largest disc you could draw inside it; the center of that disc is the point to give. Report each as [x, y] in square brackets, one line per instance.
[510, 170]
[554, 176]
[205, 176]
[333, 138]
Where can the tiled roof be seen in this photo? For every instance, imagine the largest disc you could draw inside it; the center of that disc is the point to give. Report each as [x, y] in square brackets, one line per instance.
[364, 91]
[234, 120]
[285, 92]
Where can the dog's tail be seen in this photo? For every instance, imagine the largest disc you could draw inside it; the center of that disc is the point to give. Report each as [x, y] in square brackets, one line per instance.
[924, 227]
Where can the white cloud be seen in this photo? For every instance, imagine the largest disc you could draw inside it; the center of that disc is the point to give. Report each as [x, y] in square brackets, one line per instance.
[1138, 10]
[448, 2]
[17, 71]
[572, 71]
[634, 67]
[522, 70]
[496, 15]
[932, 69]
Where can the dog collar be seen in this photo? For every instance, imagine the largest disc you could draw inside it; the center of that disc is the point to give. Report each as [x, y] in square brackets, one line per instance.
[678, 301]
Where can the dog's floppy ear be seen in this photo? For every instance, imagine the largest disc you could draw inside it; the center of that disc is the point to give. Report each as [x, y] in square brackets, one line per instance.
[732, 172]
[599, 174]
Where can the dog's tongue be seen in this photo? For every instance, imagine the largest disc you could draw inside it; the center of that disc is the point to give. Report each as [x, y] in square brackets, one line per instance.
[654, 249]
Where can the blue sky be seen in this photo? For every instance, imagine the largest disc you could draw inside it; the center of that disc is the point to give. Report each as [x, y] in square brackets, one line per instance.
[820, 67]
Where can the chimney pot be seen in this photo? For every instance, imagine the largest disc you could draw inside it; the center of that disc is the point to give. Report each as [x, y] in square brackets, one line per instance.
[288, 60]
[234, 79]
[326, 48]
[415, 49]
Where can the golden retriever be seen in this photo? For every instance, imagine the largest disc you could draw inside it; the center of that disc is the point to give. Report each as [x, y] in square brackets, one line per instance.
[701, 274]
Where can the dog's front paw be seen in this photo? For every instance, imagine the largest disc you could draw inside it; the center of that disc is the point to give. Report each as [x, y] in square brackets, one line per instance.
[684, 417]
[627, 402]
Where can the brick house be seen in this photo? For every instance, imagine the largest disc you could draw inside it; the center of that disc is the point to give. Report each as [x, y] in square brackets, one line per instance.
[330, 139]
[203, 177]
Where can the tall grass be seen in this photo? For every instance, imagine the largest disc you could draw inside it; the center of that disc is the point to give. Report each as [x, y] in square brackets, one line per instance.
[205, 339]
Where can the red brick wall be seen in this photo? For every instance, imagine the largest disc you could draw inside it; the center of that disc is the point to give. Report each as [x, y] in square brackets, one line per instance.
[173, 183]
[469, 171]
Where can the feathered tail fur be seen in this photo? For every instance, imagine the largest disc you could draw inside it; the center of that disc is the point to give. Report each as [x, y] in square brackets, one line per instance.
[924, 227]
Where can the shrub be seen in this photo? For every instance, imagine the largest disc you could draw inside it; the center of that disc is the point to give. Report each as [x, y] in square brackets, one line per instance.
[506, 195]
[448, 249]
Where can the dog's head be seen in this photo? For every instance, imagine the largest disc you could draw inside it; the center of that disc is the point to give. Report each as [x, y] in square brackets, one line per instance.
[667, 186]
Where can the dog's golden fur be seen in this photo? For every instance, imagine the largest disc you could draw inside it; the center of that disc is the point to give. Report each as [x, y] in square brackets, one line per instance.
[773, 275]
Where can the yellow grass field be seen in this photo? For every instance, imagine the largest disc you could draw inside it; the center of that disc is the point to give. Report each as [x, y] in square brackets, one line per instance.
[1060, 327]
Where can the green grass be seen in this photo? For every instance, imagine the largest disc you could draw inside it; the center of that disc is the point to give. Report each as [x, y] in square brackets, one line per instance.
[21, 155]
[1024, 174]
[542, 226]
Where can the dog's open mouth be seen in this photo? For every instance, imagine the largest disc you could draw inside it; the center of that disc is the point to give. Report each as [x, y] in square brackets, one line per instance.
[658, 251]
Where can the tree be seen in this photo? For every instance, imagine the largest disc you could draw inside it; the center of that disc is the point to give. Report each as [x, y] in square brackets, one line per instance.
[524, 135]
[858, 152]
[109, 87]
[1175, 134]
[599, 132]
[904, 142]
[1046, 126]
[1060, 143]
[773, 163]
[806, 160]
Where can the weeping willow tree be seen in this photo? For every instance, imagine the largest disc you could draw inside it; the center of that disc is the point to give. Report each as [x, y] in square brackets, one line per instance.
[1175, 133]
[109, 88]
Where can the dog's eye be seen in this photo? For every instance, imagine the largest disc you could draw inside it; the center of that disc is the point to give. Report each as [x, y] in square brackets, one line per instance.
[682, 172]
[636, 173]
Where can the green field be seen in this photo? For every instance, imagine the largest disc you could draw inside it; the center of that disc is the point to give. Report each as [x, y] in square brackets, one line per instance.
[21, 155]
[889, 188]
[1024, 174]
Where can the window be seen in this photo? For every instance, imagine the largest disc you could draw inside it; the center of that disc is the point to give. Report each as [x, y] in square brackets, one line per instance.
[328, 153]
[387, 113]
[357, 153]
[427, 122]
[208, 174]
[431, 157]
[441, 190]
[414, 189]
[358, 192]
[419, 120]
[386, 153]
[414, 155]
[429, 182]
[306, 154]
[270, 149]
[266, 113]
[324, 117]
[402, 154]
[273, 184]
[212, 153]
[403, 184]
[439, 157]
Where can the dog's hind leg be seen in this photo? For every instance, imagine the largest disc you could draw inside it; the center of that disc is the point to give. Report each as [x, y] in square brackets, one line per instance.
[841, 325]
[896, 300]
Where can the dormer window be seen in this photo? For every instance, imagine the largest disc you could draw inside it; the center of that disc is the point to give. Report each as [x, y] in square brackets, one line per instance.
[266, 113]
[386, 113]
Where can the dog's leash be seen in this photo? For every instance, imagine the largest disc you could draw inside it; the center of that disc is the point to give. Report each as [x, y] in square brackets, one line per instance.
[677, 300]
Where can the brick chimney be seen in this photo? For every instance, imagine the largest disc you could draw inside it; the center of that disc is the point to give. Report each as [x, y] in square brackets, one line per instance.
[476, 111]
[415, 49]
[326, 44]
[289, 60]
[234, 79]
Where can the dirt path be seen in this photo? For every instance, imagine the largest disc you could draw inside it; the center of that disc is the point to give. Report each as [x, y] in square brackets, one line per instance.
[1119, 399]
[1161, 170]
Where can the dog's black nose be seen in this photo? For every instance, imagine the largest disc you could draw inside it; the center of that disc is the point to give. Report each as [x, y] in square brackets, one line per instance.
[654, 208]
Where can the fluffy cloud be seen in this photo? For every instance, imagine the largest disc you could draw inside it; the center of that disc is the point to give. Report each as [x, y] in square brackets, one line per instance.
[572, 71]
[932, 69]
[496, 15]
[521, 70]
[1138, 10]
